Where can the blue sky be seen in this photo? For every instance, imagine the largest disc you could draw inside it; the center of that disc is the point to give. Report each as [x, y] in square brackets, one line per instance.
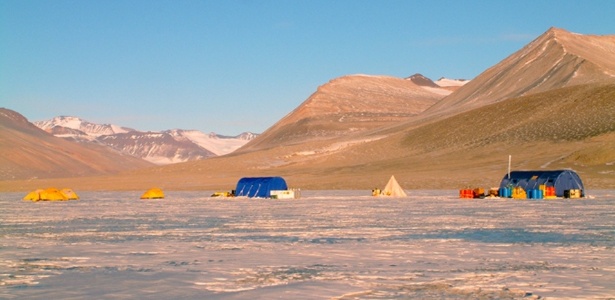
[234, 66]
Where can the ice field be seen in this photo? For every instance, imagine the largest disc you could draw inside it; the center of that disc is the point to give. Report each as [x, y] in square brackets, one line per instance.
[326, 245]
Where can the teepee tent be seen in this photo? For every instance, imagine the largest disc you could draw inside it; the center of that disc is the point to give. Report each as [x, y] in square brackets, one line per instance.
[393, 189]
[153, 193]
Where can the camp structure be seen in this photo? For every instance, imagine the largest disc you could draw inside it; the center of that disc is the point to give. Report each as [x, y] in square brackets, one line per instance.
[70, 194]
[392, 189]
[34, 195]
[259, 187]
[563, 181]
[51, 194]
[153, 193]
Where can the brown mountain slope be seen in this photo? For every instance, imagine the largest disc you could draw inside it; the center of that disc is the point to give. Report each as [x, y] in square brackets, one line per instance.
[348, 105]
[566, 128]
[29, 152]
[555, 59]
[330, 142]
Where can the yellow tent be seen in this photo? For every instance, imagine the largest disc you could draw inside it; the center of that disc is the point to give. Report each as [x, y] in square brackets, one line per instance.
[52, 194]
[153, 193]
[519, 193]
[393, 189]
[34, 195]
[70, 194]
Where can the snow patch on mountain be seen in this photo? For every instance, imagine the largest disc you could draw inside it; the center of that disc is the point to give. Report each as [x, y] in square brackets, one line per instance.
[215, 143]
[446, 82]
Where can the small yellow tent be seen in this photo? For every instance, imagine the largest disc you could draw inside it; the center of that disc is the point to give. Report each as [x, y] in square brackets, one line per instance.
[153, 193]
[52, 194]
[34, 195]
[393, 189]
[70, 194]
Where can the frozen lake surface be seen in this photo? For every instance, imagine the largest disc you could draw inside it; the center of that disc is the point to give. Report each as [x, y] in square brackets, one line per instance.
[326, 245]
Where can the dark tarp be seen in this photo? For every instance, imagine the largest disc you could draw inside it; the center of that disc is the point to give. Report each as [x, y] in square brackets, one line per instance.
[259, 186]
[562, 180]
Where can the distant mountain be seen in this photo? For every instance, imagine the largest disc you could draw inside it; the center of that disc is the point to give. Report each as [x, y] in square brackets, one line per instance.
[350, 105]
[166, 147]
[79, 127]
[29, 152]
[421, 80]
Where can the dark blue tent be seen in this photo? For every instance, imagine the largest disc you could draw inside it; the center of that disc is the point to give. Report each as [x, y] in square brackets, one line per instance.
[259, 186]
[562, 180]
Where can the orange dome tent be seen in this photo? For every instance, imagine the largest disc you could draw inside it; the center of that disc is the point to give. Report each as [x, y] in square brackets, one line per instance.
[153, 193]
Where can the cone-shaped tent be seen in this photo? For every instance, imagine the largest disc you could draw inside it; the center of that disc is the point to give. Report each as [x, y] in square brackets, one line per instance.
[393, 189]
[153, 193]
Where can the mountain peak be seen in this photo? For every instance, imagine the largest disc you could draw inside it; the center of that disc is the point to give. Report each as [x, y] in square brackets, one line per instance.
[556, 59]
[421, 80]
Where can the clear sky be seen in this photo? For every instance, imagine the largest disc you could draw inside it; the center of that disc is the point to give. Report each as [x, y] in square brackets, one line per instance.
[233, 66]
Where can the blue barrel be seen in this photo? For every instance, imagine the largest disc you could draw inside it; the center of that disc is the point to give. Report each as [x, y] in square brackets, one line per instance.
[505, 192]
[539, 194]
[534, 194]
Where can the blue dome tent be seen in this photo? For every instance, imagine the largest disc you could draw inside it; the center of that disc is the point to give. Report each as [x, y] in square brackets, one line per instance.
[259, 187]
[562, 180]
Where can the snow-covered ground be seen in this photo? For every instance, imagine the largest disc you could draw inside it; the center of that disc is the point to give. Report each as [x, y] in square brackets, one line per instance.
[326, 245]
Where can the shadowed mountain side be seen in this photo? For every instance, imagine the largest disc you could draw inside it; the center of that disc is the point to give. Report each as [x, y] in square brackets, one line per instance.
[348, 105]
[29, 152]
[565, 128]
[555, 59]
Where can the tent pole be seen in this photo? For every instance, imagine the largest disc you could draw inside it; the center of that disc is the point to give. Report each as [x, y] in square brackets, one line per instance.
[509, 159]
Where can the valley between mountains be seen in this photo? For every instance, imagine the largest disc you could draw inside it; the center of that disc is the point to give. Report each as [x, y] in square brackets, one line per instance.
[550, 105]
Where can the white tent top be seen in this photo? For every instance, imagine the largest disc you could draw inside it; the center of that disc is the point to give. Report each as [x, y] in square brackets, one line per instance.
[393, 189]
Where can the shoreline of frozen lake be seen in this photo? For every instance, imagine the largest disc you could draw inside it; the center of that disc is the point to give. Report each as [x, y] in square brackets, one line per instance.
[326, 245]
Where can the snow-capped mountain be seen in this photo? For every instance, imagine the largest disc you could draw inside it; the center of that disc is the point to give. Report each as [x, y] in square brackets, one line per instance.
[85, 127]
[166, 147]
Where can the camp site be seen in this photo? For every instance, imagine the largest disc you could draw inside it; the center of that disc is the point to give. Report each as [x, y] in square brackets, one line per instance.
[533, 185]
[263, 234]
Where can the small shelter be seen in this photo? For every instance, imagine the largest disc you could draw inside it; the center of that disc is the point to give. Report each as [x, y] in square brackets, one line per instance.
[49, 194]
[393, 189]
[34, 195]
[259, 187]
[153, 193]
[561, 180]
[70, 194]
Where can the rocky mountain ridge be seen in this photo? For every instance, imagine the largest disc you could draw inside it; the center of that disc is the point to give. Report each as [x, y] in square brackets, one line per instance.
[165, 147]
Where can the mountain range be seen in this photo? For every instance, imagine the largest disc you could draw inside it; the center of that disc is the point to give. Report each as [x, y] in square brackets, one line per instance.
[550, 105]
[165, 147]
